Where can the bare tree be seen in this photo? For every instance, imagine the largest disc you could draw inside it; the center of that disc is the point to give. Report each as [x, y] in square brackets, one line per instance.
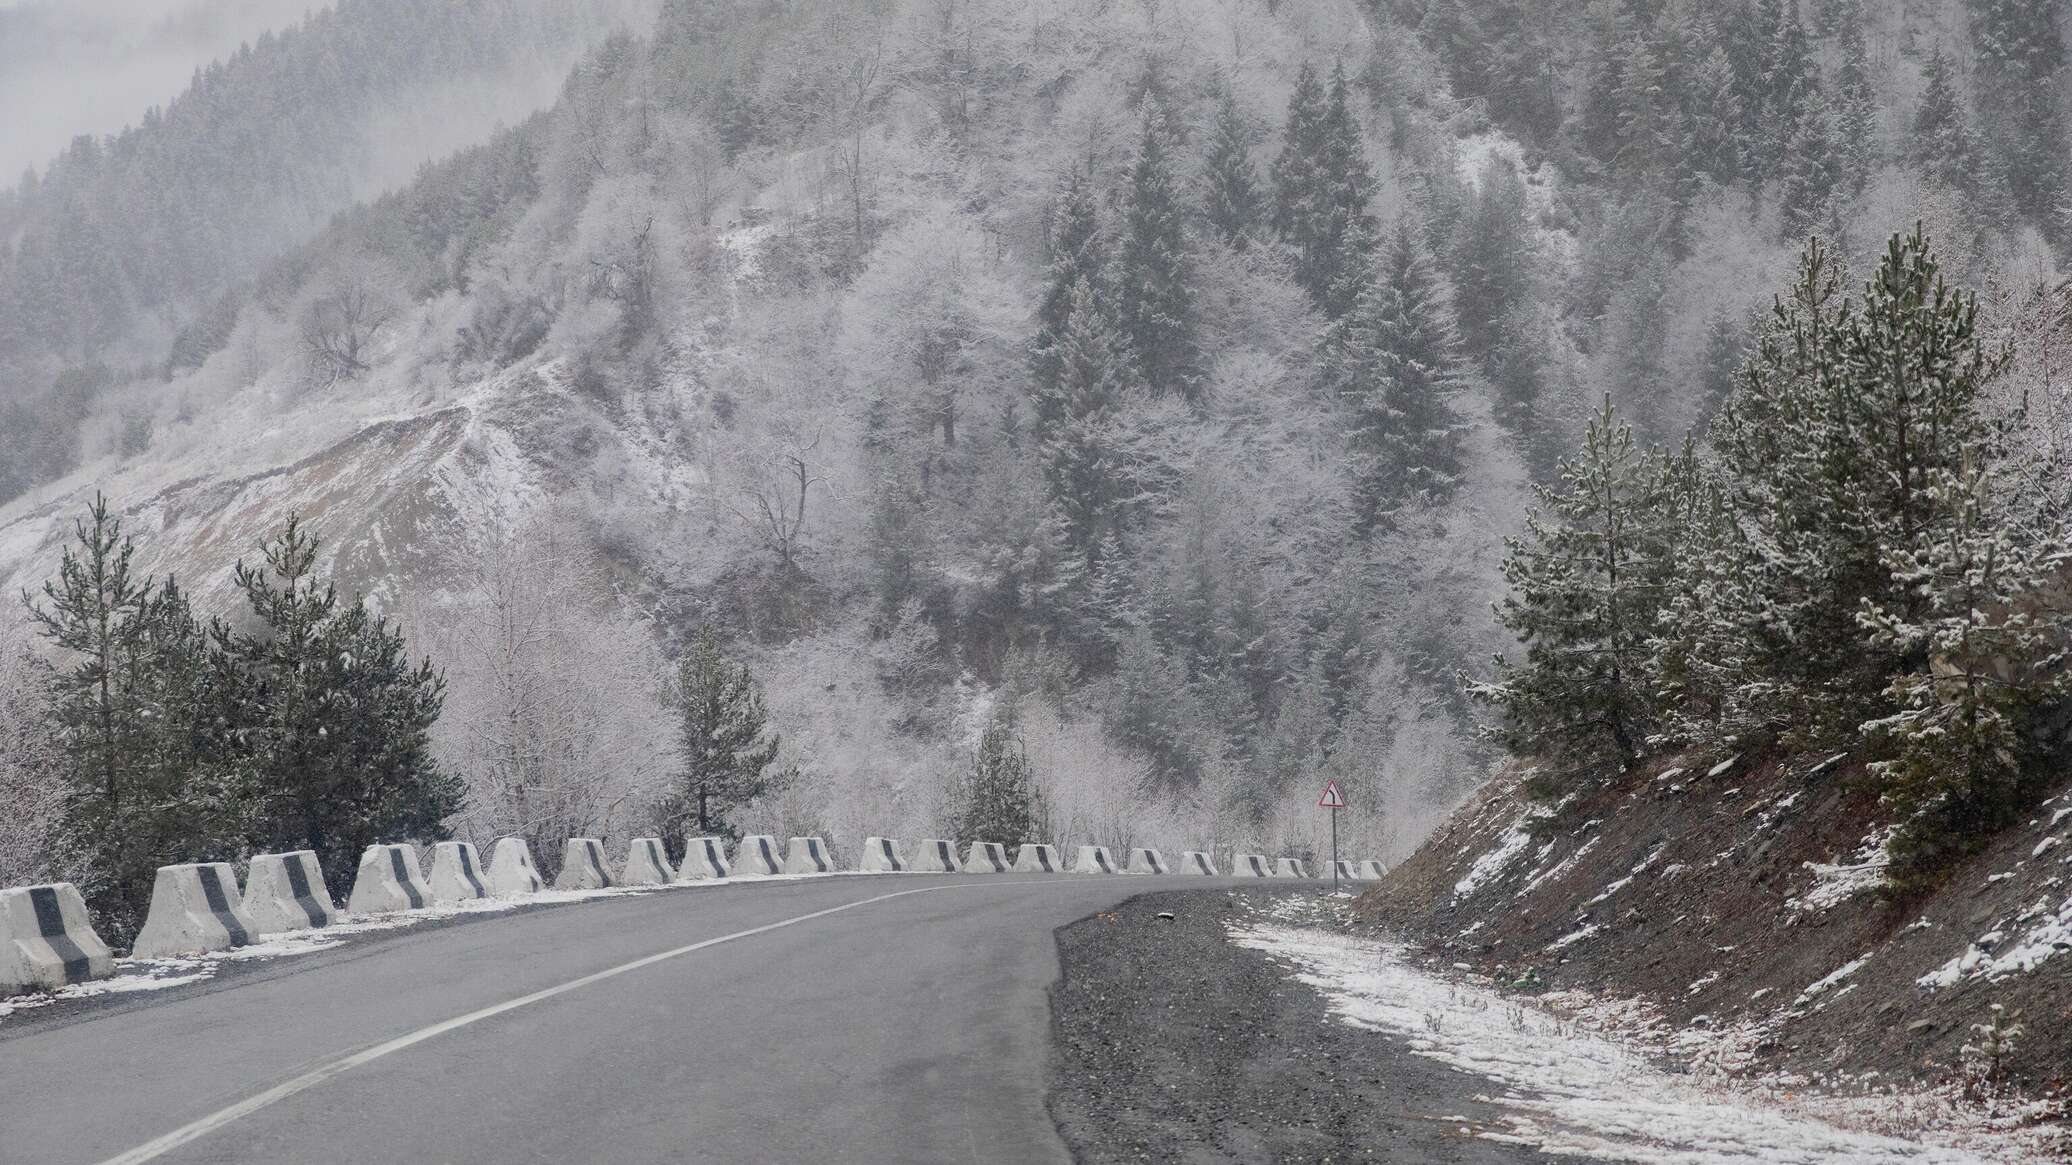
[777, 479]
[343, 322]
[553, 711]
[33, 847]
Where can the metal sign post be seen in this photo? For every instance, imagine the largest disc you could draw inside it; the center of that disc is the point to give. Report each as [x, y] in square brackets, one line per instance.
[1334, 801]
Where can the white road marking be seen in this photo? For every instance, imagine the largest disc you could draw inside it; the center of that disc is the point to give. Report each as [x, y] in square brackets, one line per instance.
[152, 1150]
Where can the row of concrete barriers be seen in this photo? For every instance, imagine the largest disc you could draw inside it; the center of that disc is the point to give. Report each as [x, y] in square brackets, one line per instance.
[48, 941]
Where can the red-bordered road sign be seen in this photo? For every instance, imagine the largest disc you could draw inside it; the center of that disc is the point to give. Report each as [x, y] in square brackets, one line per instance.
[1332, 798]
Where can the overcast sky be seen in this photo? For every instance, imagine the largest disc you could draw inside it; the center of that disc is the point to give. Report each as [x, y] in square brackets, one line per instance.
[93, 66]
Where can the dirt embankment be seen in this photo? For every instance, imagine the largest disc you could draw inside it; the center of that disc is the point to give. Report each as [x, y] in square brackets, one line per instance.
[1741, 899]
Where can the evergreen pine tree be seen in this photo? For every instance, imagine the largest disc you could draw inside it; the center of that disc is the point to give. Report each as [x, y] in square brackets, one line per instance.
[1962, 745]
[1491, 259]
[1074, 231]
[726, 741]
[1941, 146]
[1586, 584]
[1153, 275]
[1812, 173]
[1856, 115]
[1000, 801]
[1341, 235]
[333, 722]
[1607, 54]
[1232, 203]
[1298, 170]
[1715, 119]
[2020, 49]
[1788, 85]
[1083, 469]
[1395, 362]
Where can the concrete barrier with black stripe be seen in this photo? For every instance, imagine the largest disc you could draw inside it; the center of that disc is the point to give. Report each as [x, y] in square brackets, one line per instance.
[512, 873]
[194, 908]
[703, 857]
[986, 857]
[1147, 861]
[756, 857]
[457, 873]
[389, 881]
[1035, 858]
[1343, 871]
[647, 863]
[1250, 866]
[1371, 871]
[1094, 859]
[1290, 868]
[287, 892]
[47, 941]
[808, 855]
[1194, 861]
[882, 855]
[582, 866]
[935, 855]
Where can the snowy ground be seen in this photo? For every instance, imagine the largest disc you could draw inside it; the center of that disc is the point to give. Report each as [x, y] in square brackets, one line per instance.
[160, 974]
[1573, 1090]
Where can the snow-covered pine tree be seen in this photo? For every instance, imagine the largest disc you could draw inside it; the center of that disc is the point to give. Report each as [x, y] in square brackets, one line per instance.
[1856, 101]
[1074, 258]
[1297, 171]
[1787, 86]
[333, 722]
[1083, 460]
[1395, 362]
[2020, 49]
[94, 614]
[1979, 599]
[1586, 584]
[1153, 276]
[1340, 236]
[1231, 199]
[1812, 172]
[726, 742]
[1715, 121]
[1000, 801]
[1941, 147]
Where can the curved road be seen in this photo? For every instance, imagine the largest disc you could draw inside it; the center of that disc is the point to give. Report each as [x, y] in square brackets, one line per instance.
[891, 1018]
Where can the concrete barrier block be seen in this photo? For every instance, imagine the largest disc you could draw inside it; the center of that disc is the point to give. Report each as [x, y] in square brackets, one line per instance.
[1147, 861]
[511, 871]
[194, 908]
[389, 880]
[881, 855]
[457, 873]
[703, 857]
[287, 892]
[1371, 871]
[582, 866]
[756, 857]
[935, 855]
[47, 940]
[807, 855]
[1033, 858]
[1194, 861]
[1290, 868]
[647, 863]
[986, 857]
[1249, 866]
[1094, 859]
[1343, 871]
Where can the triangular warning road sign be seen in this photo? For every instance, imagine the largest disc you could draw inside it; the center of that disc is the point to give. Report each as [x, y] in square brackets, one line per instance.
[1332, 798]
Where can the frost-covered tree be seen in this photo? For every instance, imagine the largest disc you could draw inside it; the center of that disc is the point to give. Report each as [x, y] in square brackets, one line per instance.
[1153, 274]
[1586, 584]
[1084, 464]
[1232, 202]
[1395, 363]
[1074, 260]
[1492, 259]
[35, 845]
[1980, 603]
[999, 800]
[725, 738]
[1812, 172]
[1322, 187]
[333, 720]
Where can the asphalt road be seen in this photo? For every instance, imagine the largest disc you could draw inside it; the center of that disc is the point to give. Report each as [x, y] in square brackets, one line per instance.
[897, 1019]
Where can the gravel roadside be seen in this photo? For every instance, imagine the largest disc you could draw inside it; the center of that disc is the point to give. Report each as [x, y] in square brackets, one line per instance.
[1172, 1044]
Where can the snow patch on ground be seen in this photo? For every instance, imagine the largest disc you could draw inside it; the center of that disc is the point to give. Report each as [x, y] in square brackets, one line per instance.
[1836, 884]
[1576, 1092]
[1490, 864]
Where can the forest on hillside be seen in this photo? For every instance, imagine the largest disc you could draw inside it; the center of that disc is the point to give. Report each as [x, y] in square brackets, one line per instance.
[1154, 383]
